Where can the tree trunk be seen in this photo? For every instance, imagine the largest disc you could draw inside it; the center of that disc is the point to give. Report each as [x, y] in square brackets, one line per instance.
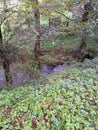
[8, 77]
[83, 36]
[5, 62]
[87, 9]
[37, 48]
[82, 50]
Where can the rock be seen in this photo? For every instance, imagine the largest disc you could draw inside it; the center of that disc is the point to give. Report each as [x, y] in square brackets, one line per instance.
[58, 68]
[95, 59]
[91, 63]
[45, 69]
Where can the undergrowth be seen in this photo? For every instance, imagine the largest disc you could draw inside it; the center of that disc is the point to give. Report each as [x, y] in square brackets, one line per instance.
[69, 43]
[64, 101]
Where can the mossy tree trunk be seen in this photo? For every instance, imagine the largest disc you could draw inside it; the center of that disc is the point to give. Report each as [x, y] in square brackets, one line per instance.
[5, 62]
[83, 50]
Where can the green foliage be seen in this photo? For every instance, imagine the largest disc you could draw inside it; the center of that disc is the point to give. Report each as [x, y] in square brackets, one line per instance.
[53, 57]
[92, 44]
[68, 43]
[65, 101]
[64, 40]
[49, 59]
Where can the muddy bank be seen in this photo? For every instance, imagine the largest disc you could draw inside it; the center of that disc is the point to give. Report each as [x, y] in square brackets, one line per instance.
[18, 76]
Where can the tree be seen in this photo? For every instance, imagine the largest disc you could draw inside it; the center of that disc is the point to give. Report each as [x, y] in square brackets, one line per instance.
[13, 27]
[5, 61]
[86, 17]
[36, 11]
[86, 12]
[8, 51]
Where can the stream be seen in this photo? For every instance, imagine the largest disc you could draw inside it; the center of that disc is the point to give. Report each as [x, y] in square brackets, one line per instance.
[21, 77]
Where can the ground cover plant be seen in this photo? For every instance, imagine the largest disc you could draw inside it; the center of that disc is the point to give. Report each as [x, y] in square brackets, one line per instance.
[64, 101]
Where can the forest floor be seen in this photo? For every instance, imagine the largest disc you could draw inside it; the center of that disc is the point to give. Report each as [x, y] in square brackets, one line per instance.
[61, 101]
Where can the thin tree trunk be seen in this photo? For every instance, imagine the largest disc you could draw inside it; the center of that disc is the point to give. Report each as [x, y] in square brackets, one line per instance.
[37, 48]
[4, 3]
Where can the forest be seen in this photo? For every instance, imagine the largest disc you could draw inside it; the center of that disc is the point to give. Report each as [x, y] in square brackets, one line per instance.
[48, 65]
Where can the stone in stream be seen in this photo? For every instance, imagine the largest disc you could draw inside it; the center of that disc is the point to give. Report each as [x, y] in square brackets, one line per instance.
[45, 69]
[58, 68]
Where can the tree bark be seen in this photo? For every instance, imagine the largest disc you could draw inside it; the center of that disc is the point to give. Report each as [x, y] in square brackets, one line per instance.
[87, 9]
[5, 62]
[83, 44]
[82, 50]
[8, 76]
[37, 48]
